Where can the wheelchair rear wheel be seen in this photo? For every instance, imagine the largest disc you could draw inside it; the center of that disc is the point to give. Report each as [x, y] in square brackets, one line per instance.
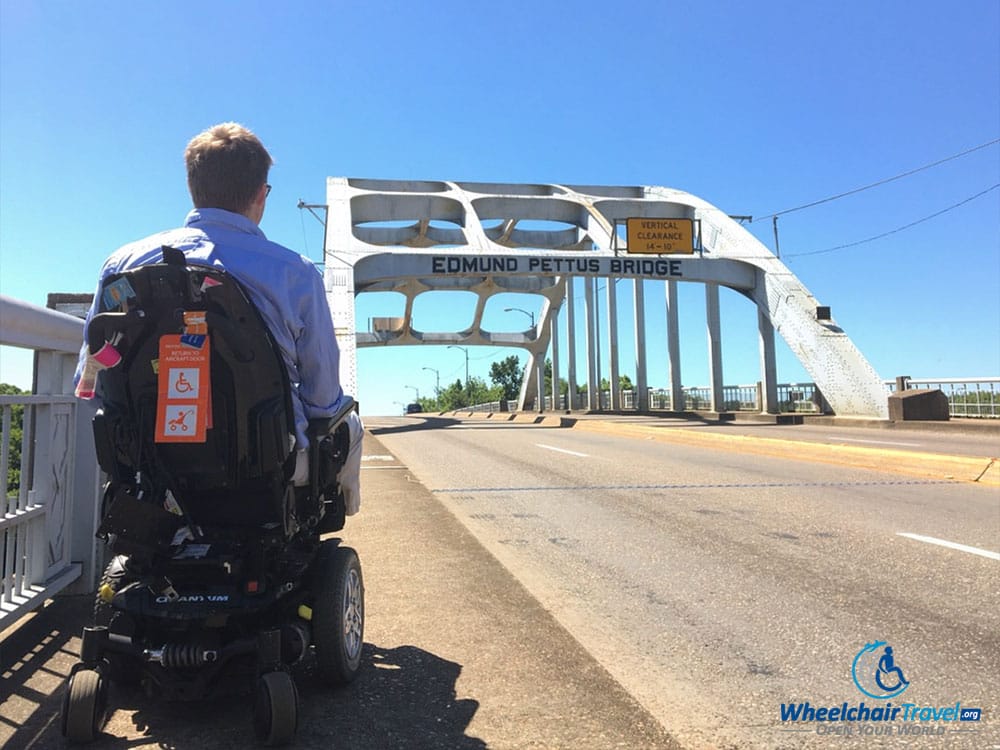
[338, 618]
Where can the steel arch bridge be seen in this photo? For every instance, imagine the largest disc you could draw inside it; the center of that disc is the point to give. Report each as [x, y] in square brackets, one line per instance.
[414, 237]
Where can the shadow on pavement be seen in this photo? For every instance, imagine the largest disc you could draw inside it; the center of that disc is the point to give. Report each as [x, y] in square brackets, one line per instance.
[35, 661]
[403, 697]
[425, 423]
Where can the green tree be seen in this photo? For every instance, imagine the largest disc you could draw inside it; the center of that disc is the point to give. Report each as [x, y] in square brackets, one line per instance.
[459, 396]
[624, 383]
[429, 403]
[16, 438]
[507, 374]
[563, 384]
[452, 396]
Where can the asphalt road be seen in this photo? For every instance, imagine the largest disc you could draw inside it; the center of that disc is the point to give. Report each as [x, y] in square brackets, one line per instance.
[968, 437]
[457, 656]
[716, 585]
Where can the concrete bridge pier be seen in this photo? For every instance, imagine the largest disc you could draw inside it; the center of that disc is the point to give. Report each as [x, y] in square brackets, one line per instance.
[554, 334]
[613, 368]
[641, 376]
[593, 392]
[713, 323]
[573, 397]
[768, 363]
[674, 348]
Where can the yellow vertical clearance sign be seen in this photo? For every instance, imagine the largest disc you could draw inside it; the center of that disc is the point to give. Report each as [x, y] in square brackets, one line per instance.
[660, 236]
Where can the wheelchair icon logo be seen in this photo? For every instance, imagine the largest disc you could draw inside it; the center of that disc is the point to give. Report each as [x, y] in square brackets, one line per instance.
[876, 673]
[183, 383]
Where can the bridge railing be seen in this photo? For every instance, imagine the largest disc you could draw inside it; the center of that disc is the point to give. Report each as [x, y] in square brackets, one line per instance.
[967, 397]
[50, 507]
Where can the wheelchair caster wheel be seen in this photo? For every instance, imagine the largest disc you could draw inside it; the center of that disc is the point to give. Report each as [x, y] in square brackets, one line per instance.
[276, 709]
[84, 706]
[338, 613]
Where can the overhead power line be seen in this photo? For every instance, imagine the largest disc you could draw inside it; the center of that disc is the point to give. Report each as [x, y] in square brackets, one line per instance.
[898, 229]
[880, 182]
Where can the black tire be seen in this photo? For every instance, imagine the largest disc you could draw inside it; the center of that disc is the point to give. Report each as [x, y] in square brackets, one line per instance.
[122, 669]
[338, 617]
[276, 709]
[84, 705]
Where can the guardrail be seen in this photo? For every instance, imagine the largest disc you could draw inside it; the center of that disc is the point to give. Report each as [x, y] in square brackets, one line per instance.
[977, 398]
[50, 513]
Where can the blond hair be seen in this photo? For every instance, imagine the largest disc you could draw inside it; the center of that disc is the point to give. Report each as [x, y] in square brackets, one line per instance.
[226, 166]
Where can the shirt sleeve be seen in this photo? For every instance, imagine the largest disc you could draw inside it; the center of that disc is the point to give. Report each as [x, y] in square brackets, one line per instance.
[317, 351]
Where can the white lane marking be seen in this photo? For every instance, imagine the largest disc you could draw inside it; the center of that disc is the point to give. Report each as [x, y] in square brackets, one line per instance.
[561, 450]
[951, 545]
[380, 468]
[837, 438]
[375, 457]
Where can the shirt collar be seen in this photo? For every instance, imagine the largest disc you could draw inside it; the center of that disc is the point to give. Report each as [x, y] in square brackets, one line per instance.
[201, 216]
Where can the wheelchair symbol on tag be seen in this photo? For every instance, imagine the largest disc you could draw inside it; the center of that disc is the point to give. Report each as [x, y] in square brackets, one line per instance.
[183, 383]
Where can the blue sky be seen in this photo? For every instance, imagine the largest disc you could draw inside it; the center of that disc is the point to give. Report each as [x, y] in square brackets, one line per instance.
[755, 107]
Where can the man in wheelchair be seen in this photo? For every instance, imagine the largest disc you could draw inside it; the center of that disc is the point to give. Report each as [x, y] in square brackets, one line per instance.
[230, 449]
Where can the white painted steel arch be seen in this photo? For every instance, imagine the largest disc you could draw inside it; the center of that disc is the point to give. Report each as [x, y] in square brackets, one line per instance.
[487, 238]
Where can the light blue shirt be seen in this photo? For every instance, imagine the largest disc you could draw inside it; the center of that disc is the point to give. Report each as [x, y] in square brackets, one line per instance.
[286, 288]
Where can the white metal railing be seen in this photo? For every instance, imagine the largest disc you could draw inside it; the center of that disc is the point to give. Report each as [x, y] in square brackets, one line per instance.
[50, 515]
[967, 397]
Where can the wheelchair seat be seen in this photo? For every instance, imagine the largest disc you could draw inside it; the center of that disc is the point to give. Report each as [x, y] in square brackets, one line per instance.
[218, 568]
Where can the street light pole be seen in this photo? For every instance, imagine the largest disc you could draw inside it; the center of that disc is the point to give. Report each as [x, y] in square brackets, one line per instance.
[416, 391]
[437, 375]
[530, 314]
[466, 350]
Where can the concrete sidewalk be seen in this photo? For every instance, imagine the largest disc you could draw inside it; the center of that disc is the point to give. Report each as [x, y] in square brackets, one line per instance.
[457, 655]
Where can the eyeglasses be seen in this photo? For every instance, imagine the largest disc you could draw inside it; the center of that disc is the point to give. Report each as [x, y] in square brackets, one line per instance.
[267, 190]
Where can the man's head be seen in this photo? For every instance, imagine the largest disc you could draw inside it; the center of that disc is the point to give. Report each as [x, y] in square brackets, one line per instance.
[227, 168]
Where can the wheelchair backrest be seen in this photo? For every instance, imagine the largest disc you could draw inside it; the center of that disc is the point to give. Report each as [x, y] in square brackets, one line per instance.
[199, 404]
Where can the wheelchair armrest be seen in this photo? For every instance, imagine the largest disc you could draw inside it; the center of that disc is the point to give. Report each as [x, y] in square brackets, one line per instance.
[320, 427]
[329, 445]
[104, 326]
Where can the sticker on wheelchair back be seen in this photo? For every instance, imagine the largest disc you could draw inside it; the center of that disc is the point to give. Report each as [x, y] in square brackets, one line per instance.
[195, 329]
[184, 390]
[117, 294]
[208, 282]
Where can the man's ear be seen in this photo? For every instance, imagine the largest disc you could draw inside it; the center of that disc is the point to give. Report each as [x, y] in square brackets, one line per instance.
[256, 211]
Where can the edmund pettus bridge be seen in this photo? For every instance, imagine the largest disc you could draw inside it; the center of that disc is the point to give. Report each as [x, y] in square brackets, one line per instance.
[415, 237]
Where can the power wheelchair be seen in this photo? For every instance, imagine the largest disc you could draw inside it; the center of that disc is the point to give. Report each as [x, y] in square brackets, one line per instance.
[219, 575]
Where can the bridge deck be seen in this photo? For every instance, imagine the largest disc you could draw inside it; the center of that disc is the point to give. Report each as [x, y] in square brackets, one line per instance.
[458, 654]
